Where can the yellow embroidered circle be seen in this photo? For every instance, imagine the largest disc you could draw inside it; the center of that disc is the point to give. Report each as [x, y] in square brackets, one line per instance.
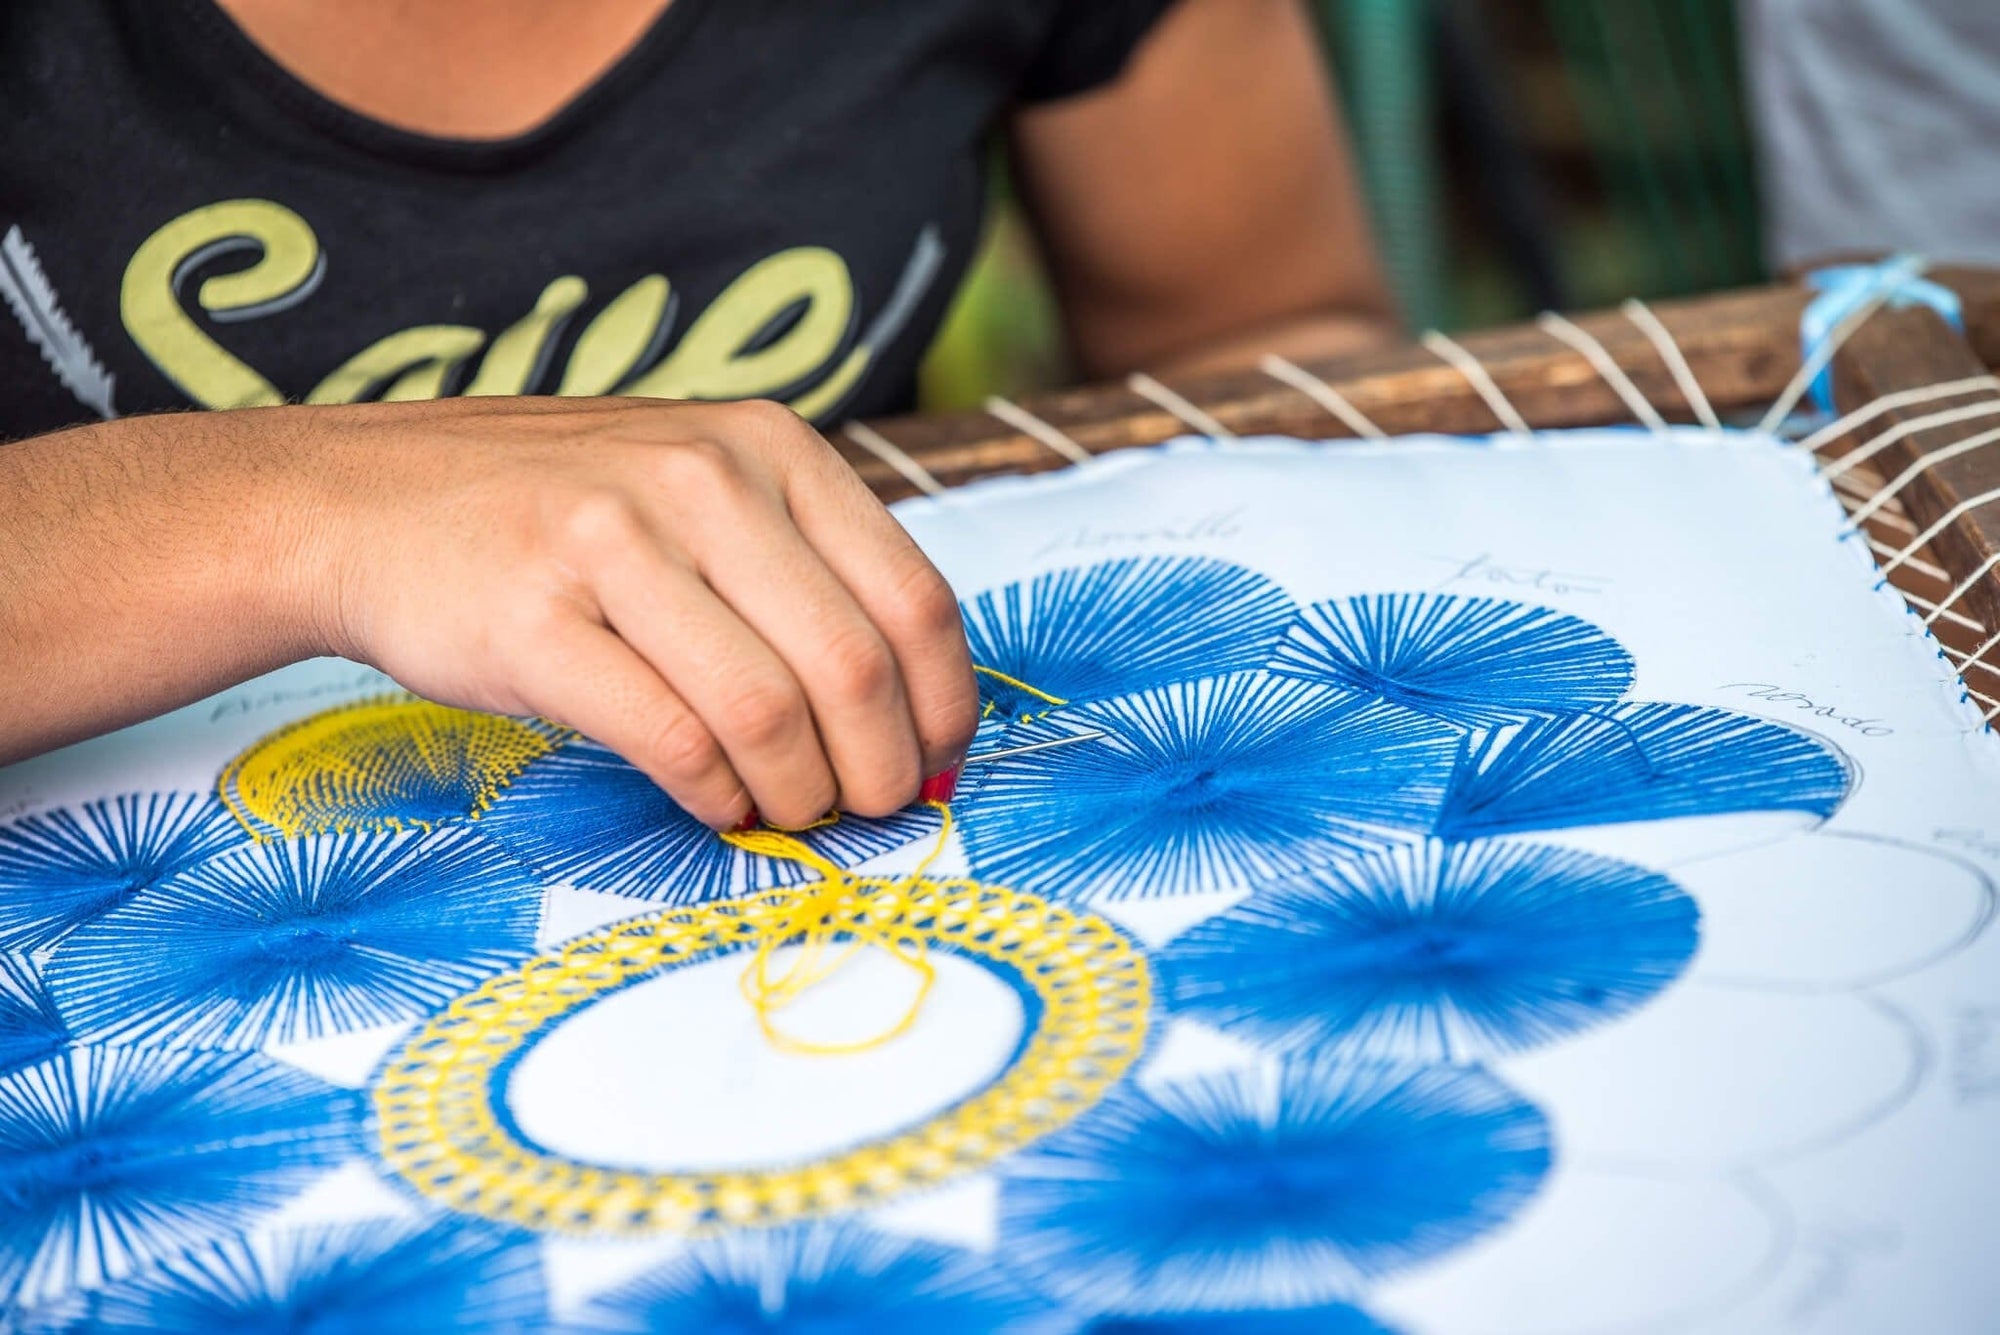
[435, 1099]
[387, 763]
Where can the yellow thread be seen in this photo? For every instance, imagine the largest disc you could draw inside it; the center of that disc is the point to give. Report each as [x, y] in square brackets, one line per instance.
[438, 1127]
[1018, 684]
[821, 913]
[371, 764]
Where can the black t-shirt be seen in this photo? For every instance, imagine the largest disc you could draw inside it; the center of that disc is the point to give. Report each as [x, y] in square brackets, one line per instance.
[764, 198]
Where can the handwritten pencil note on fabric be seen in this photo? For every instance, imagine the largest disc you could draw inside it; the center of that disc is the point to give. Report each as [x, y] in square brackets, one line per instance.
[1512, 886]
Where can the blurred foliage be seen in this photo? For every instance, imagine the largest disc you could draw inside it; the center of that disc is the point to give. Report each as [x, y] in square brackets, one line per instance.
[1516, 154]
[1003, 333]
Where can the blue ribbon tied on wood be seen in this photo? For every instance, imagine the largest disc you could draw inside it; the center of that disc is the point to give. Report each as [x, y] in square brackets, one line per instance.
[1846, 288]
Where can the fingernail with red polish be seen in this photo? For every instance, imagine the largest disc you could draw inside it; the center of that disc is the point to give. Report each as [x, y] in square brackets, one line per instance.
[940, 787]
[748, 823]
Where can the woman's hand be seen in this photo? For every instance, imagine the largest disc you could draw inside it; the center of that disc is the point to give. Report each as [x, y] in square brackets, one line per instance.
[705, 588]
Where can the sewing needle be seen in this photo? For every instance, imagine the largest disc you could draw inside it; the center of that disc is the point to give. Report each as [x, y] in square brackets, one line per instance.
[981, 757]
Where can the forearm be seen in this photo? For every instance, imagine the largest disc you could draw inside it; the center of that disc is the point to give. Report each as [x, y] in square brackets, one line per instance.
[1203, 209]
[146, 563]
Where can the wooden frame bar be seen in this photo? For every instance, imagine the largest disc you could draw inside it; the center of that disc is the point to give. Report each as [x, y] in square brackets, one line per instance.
[1743, 350]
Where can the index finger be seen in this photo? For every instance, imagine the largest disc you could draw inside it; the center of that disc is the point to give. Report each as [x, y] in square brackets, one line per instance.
[897, 587]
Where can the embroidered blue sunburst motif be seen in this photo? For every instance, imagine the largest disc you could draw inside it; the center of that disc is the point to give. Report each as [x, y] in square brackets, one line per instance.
[299, 938]
[1121, 626]
[426, 1274]
[1475, 662]
[817, 1279]
[1437, 952]
[1636, 762]
[113, 1156]
[62, 868]
[1204, 785]
[1276, 1186]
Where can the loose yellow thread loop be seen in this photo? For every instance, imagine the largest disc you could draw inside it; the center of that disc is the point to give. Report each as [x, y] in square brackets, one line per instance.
[879, 915]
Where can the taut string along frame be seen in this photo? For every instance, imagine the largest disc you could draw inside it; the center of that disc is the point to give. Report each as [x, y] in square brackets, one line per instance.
[1923, 487]
[1605, 365]
[1452, 352]
[1640, 314]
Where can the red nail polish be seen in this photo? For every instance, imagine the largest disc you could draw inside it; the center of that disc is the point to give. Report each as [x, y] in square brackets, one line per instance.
[748, 823]
[940, 787]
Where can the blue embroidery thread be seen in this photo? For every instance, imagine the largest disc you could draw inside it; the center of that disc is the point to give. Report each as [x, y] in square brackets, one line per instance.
[441, 1273]
[1122, 626]
[30, 1027]
[63, 868]
[1436, 952]
[818, 1278]
[109, 1156]
[1473, 662]
[300, 938]
[584, 817]
[1205, 785]
[1277, 1186]
[1637, 762]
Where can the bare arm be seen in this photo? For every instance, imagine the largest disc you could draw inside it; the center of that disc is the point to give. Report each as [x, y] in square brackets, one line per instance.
[707, 588]
[1203, 208]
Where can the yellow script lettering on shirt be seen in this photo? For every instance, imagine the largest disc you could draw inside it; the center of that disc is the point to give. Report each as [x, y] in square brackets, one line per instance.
[777, 331]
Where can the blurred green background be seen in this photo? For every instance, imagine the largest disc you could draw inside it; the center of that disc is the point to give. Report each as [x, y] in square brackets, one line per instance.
[1518, 155]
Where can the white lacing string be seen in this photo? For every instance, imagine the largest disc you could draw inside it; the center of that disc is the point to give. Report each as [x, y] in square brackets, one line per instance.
[1965, 586]
[1944, 521]
[1916, 563]
[1926, 605]
[1978, 655]
[1583, 341]
[1453, 355]
[1902, 398]
[1821, 355]
[1891, 519]
[1977, 658]
[873, 441]
[1035, 428]
[1186, 409]
[1891, 489]
[1834, 468]
[1325, 395]
[1640, 314]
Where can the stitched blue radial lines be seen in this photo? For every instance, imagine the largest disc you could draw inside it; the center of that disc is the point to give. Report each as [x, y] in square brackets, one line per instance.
[818, 1278]
[278, 942]
[113, 1155]
[1298, 1182]
[1634, 762]
[1120, 626]
[1444, 952]
[30, 1026]
[584, 817]
[1477, 662]
[60, 869]
[1202, 785]
[439, 1273]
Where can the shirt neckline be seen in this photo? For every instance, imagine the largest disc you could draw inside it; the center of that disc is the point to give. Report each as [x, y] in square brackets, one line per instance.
[230, 54]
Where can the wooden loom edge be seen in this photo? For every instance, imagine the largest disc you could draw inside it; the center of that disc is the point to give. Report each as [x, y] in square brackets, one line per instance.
[1742, 348]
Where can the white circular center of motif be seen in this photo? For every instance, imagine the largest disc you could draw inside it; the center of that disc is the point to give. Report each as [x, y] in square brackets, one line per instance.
[705, 1090]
